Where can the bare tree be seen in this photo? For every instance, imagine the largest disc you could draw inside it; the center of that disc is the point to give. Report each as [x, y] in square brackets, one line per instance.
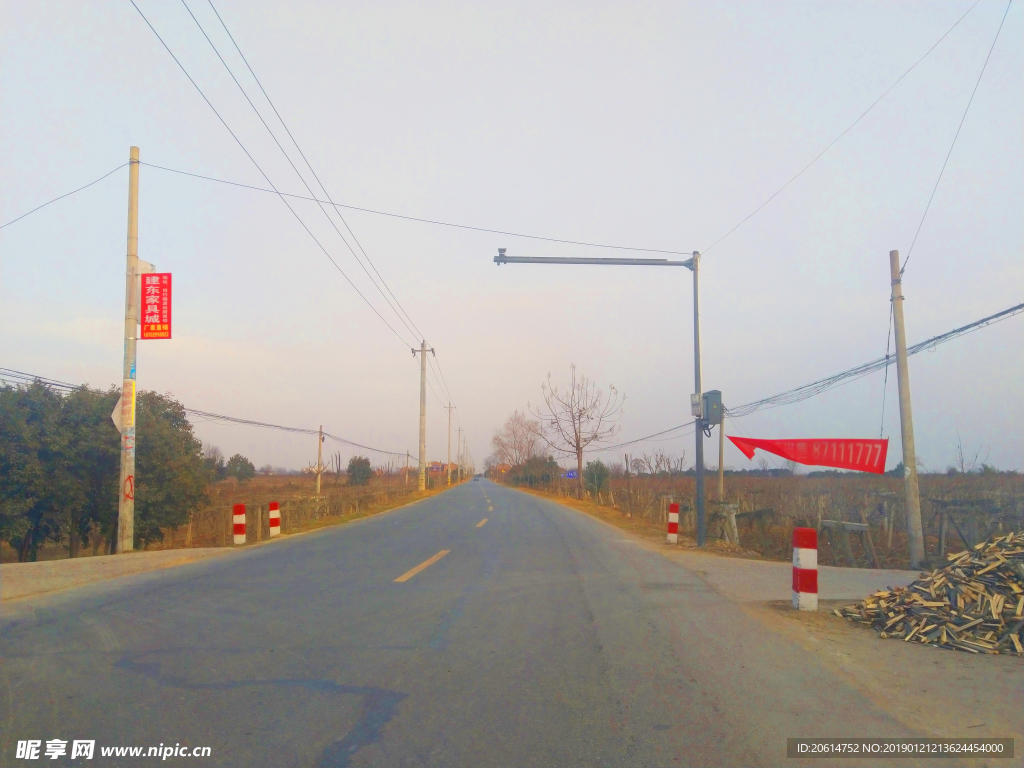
[966, 462]
[572, 419]
[517, 441]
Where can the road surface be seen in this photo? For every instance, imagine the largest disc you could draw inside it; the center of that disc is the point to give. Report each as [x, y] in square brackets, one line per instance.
[539, 638]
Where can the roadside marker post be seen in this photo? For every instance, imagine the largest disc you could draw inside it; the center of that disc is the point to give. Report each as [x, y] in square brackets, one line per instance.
[805, 569]
[673, 524]
[275, 519]
[238, 520]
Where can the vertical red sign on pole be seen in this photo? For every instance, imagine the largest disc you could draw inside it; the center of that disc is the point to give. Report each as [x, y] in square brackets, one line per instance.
[156, 306]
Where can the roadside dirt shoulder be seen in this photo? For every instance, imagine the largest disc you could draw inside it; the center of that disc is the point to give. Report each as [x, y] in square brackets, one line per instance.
[937, 691]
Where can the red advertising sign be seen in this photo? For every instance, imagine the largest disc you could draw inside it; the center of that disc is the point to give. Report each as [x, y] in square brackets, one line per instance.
[156, 306]
[862, 455]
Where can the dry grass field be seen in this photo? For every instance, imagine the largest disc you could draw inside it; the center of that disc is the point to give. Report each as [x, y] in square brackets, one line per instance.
[973, 506]
[301, 509]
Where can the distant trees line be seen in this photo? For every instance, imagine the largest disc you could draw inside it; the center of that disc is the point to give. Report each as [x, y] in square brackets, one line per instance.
[60, 463]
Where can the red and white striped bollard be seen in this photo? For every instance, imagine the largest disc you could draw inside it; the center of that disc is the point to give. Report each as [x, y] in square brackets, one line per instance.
[673, 524]
[805, 569]
[238, 521]
[275, 519]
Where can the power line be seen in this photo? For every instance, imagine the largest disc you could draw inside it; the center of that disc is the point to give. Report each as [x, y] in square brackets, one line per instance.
[837, 138]
[807, 391]
[66, 194]
[310, 166]
[8, 375]
[420, 220]
[955, 137]
[275, 190]
[292, 164]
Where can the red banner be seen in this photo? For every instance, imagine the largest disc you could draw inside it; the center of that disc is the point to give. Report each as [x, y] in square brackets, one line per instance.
[156, 306]
[861, 455]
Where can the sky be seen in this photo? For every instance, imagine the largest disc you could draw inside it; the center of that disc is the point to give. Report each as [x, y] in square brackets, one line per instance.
[650, 125]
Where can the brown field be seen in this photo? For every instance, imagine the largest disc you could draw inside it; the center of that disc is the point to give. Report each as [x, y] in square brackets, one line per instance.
[977, 506]
[301, 510]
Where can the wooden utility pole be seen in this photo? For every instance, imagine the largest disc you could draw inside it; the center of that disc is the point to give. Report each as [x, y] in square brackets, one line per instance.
[126, 487]
[912, 504]
[406, 467]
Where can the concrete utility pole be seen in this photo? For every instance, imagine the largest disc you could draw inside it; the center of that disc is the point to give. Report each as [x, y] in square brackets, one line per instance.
[126, 487]
[912, 505]
[448, 466]
[459, 450]
[422, 351]
[698, 465]
[319, 463]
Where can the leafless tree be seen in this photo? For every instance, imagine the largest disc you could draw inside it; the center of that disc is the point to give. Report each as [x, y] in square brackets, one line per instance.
[659, 462]
[518, 440]
[578, 416]
[965, 461]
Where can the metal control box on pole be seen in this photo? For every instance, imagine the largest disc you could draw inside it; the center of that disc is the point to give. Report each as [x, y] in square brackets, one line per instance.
[126, 486]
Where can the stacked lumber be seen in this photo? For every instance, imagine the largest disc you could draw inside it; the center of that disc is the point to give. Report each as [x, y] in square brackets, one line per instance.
[974, 604]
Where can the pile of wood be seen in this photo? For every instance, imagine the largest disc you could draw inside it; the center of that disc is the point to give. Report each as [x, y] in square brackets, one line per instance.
[974, 604]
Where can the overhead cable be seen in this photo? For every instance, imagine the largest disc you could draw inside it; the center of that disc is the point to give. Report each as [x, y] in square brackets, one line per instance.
[311, 170]
[8, 375]
[807, 391]
[421, 220]
[267, 178]
[66, 194]
[841, 135]
[955, 137]
[287, 157]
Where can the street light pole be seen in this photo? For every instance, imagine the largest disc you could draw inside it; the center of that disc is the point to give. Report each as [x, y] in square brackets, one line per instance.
[693, 264]
[698, 463]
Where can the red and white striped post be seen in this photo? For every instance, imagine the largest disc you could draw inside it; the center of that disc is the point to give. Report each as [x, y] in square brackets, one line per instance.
[275, 519]
[805, 569]
[673, 524]
[238, 520]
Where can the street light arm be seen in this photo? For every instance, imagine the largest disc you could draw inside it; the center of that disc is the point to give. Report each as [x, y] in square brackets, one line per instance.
[501, 258]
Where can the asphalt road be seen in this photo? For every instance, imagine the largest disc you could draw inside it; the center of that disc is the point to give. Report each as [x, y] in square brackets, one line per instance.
[542, 638]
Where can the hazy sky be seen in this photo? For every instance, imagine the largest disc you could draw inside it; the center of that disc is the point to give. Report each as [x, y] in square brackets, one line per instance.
[643, 124]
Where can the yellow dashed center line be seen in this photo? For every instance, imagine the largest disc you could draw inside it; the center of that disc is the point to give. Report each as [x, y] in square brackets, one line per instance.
[422, 566]
[481, 523]
[490, 509]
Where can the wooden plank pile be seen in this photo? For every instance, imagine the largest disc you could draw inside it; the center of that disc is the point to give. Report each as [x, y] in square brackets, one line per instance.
[974, 604]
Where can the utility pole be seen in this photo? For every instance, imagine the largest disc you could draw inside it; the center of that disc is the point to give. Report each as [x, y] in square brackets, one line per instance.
[912, 504]
[406, 467]
[698, 466]
[126, 487]
[459, 450]
[422, 483]
[721, 459]
[319, 463]
[448, 466]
